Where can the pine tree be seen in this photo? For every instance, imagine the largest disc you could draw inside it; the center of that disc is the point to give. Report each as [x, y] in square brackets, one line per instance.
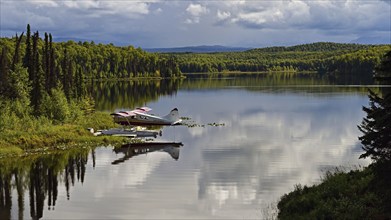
[376, 127]
[64, 77]
[16, 58]
[384, 70]
[27, 61]
[37, 77]
[46, 57]
[3, 70]
[53, 74]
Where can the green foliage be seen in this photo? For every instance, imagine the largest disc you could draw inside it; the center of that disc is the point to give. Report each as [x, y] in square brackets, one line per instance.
[44, 97]
[21, 132]
[55, 106]
[384, 69]
[341, 195]
[18, 85]
[376, 127]
[320, 46]
[319, 57]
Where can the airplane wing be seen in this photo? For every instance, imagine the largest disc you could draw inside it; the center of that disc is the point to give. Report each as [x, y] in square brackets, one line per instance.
[143, 109]
[123, 113]
[132, 112]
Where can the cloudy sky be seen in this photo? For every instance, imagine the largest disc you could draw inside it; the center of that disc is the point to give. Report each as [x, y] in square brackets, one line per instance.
[175, 23]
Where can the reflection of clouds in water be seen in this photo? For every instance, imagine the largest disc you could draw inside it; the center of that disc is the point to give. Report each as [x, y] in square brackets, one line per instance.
[132, 173]
[197, 131]
[269, 143]
[281, 147]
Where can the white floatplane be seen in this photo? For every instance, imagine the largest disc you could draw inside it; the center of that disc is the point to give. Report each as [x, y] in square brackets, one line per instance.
[139, 116]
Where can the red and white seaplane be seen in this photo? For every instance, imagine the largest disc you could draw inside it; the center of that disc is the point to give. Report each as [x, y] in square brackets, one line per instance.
[139, 116]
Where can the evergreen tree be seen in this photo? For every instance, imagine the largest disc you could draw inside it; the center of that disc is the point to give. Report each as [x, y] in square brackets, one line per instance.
[16, 58]
[64, 77]
[37, 77]
[376, 127]
[46, 57]
[3, 70]
[27, 61]
[53, 74]
[384, 70]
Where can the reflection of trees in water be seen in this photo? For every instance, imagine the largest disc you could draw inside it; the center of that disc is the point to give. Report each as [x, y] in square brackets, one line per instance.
[273, 82]
[109, 95]
[5, 196]
[40, 177]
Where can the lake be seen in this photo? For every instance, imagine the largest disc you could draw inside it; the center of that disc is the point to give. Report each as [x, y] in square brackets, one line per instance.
[249, 139]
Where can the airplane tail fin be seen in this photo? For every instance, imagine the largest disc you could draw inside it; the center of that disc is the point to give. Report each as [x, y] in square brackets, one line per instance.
[173, 116]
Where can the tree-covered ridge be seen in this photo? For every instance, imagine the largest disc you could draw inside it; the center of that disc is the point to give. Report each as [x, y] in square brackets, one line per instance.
[319, 57]
[45, 77]
[319, 46]
[98, 60]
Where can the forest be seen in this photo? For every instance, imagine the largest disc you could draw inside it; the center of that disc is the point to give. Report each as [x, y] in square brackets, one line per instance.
[46, 86]
[323, 57]
[70, 64]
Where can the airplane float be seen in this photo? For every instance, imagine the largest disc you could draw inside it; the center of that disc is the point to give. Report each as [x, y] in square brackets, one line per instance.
[139, 116]
[135, 132]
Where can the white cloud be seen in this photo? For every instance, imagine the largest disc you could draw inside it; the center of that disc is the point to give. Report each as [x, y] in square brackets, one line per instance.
[237, 23]
[223, 15]
[299, 14]
[195, 11]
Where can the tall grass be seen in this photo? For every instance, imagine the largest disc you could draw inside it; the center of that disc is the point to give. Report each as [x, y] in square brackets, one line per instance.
[20, 132]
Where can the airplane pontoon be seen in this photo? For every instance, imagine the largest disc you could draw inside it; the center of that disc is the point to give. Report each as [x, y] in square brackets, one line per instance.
[135, 132]
[139, 116]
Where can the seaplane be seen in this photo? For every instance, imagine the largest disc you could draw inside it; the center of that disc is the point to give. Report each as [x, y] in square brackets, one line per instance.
[140, 116]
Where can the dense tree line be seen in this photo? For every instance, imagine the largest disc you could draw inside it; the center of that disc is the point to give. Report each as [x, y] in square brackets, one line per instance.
[46, 76]
[320, 57]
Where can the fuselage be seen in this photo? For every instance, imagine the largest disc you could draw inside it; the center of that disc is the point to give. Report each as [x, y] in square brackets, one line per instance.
[143, 119]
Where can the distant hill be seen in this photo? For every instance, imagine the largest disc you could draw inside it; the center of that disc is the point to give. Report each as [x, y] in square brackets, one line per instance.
[197, 49]
[314, 47]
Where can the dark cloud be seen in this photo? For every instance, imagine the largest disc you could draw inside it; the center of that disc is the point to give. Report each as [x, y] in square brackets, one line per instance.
[169, 24]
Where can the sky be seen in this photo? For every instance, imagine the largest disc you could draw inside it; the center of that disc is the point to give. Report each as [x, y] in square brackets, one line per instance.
[178, 23]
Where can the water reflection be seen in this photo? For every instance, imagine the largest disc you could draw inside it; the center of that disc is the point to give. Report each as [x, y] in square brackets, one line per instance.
[111, 95]
[277, 133]
[39, 178]
[135, 149]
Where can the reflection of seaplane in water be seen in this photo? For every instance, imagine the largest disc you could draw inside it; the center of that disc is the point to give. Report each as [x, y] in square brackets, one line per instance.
[139, 116]
[134, 149]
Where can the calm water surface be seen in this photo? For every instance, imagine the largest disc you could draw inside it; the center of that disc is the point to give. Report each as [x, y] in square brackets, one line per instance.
[272, 134]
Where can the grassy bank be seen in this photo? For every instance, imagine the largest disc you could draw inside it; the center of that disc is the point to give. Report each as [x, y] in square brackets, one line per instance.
[357, 194]
[31, 135]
